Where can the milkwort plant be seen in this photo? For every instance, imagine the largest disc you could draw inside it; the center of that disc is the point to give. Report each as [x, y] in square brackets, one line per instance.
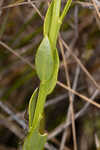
[47, 66]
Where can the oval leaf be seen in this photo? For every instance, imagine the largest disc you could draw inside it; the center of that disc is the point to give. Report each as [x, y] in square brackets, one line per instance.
[49, 85]
[44, 60]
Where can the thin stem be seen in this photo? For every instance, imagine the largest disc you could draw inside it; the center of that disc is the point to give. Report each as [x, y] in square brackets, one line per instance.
[17, 54]
[78, 94]
[71, 108]
[37, 10]
[65, 9]
[13, 115]
[16, 5]
[80, 64]
[62, 126]
[55, 24]
[96, 8]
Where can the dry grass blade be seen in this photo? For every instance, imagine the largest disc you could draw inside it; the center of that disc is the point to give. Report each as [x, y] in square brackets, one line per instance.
[37, 10]
[85, 4]
[62, 126]
[96, 8]
[80, 64]
[11, 126]
[16, 54]
[16, 5]
[78, 94]
[71, 109]
[13, 115]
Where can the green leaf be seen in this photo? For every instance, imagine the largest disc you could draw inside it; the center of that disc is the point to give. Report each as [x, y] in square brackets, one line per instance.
[66, 8]
[34, 141]
[39, 106]
[48, 18]
[44, 60]
[55, 22]
[45, 89]
[32, 106]
[49, 85]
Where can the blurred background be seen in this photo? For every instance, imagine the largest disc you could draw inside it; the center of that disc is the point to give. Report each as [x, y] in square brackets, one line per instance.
[21, 31]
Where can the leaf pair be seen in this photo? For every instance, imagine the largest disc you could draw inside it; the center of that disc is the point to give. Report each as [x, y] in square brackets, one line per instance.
[53, 20]
[34, 140]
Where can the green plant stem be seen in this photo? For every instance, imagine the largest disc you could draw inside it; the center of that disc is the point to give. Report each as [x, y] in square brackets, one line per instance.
[55, 22]
[66, 8]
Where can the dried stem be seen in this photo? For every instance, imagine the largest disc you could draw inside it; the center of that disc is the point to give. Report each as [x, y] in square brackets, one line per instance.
[71, 102]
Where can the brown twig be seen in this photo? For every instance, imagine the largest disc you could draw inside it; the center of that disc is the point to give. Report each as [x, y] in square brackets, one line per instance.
[62, 126]
[71, 103]
[80, 64]
[78, 94]
[96, 8]
[13, 115]
[37, 10]
[11, 126]
[16, 54]
[16, 5]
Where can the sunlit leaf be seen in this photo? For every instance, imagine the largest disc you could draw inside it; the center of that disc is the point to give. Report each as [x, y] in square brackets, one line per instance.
[49, 85]
[44, 60]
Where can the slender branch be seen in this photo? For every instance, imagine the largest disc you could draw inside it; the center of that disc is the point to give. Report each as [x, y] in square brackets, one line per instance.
[62, 126]
[80, 64]
[16, 5]
[11, 126]
[96, 8]
[16, 54]
[78, 94]
[70, 99]
[13, 116]
[37, 10]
